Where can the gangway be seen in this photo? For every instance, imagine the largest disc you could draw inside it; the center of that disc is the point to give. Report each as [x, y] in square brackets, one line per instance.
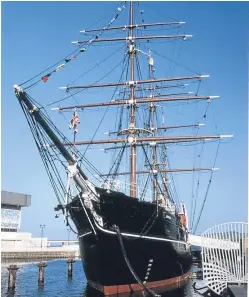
[225, 258]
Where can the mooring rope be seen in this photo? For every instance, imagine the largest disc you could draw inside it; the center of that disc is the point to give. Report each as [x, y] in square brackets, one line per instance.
[120, 239]
[208, 292]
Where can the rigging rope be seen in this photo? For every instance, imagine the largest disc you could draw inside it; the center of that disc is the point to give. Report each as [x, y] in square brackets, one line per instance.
[151, 168]
[194, 197]
[97, 64]
[179, 64]
[47, 144]
[77, 92]
[208, 187]
[117, 163]
[102, 119]
[33, 127]
[76, 52]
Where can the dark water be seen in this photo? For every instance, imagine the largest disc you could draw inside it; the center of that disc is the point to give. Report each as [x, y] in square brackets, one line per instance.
[57, 283]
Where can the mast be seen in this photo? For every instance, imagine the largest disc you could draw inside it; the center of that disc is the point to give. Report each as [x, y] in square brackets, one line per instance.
[153, 129]
[132, 125]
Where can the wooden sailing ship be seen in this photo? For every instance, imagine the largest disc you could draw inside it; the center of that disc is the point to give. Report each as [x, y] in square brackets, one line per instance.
[130, 240]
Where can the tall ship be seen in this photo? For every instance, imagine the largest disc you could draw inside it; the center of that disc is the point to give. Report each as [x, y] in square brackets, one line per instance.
[132, 229]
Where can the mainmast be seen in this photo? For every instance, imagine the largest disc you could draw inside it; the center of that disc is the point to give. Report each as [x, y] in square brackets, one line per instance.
[132, 125]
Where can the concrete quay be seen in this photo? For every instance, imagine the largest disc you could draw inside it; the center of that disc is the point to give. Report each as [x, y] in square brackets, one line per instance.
[71, 251]
[17, 245]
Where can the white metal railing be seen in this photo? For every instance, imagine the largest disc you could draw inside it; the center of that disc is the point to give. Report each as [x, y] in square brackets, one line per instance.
[123, 187]
[225, 255]
[142, 193]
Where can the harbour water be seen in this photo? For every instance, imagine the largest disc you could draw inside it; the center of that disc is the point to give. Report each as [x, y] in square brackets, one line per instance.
[57, 283]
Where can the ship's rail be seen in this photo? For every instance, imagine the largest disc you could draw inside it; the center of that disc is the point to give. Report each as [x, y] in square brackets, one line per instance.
[225, 263]
[142, 193]
[124, 187]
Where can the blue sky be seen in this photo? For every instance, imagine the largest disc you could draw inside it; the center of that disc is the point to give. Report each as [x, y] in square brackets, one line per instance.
[35, 35]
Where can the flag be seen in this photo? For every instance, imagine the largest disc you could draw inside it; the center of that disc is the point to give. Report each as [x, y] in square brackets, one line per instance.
[67, 60]
[74, 122]
[45, 78]
[59, 67]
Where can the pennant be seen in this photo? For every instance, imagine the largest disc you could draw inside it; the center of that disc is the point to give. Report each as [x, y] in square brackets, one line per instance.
[59, 67]
[45, 78]
[75, 121]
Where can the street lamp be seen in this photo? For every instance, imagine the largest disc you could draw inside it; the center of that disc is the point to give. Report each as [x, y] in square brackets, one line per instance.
[68, 236]
[42, 227]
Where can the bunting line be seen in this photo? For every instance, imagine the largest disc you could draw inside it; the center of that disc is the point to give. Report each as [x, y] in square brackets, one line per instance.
[87, 44]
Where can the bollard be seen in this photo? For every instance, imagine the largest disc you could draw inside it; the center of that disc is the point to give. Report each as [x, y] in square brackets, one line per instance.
[70, 267]
[41, 266]
[12, 276]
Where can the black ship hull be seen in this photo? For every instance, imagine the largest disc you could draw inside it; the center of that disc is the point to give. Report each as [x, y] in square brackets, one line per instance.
[152, 239]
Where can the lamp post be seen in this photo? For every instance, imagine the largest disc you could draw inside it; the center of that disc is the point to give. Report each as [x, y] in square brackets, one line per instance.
[68, 235]
[42, 227]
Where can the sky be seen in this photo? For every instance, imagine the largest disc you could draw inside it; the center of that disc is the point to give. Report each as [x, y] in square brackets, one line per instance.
[35, 35]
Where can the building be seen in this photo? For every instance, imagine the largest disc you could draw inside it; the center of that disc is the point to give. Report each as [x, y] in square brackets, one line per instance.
[11, 210]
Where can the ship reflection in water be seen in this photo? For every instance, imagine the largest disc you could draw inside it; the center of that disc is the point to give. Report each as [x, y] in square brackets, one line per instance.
[58, 285]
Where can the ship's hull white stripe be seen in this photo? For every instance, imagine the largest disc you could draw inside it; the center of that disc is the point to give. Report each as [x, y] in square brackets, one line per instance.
[141, 236]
